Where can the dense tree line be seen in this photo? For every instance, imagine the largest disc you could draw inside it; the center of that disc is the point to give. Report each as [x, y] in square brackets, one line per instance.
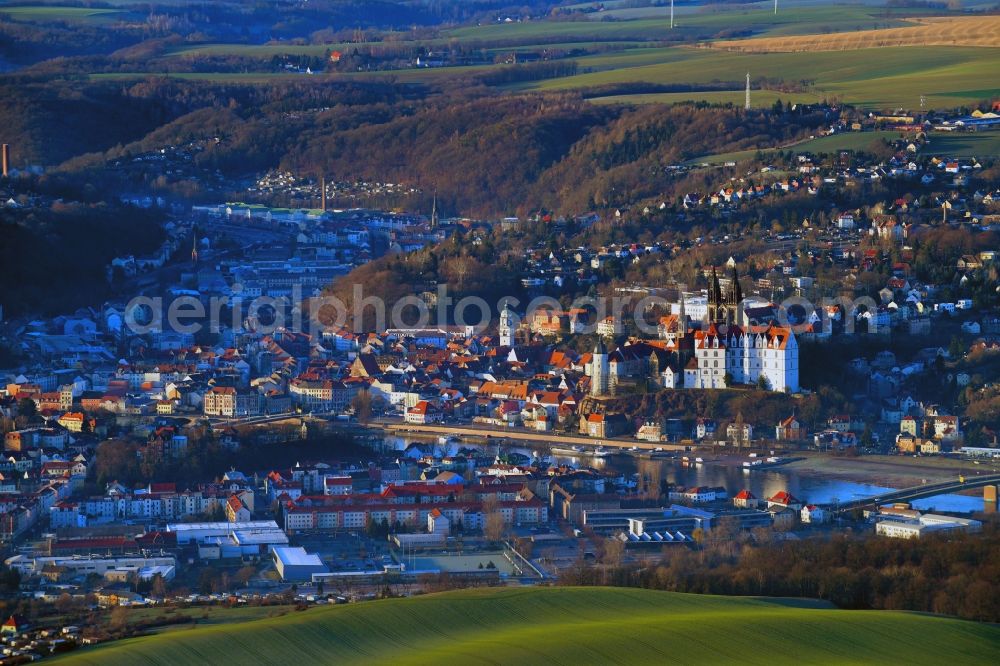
[60, 254]
[955, 574]
[130, 461]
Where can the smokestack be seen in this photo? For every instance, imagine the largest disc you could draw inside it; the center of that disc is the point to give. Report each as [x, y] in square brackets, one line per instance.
[322, 188]
[6, 159]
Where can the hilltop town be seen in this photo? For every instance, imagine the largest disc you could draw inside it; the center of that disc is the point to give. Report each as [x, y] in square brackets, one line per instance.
[314, 304]
[136, 462]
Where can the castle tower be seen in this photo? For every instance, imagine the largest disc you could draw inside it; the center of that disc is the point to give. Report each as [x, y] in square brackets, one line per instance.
[506, 328]
[600, 370]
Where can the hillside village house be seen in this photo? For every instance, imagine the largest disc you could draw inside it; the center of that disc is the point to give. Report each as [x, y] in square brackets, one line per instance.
[813, 514]
[739, 433]
[745, 500]
[230, 403]
[604, 425]
[789, 430]
[423, 413]
[784, 500]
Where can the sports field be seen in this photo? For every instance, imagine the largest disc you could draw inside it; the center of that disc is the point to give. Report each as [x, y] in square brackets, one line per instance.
[568, 626]
[461, 563]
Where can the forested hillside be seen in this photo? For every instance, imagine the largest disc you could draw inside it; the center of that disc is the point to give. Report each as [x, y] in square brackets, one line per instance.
[484, 153]
[67, 249]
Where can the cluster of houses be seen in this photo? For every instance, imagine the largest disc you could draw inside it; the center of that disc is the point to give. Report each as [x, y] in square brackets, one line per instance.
[406, 506]
[807, 173]
[284, 184]
[24, 643]
[234, 494]
[578, 498]
[172, 163]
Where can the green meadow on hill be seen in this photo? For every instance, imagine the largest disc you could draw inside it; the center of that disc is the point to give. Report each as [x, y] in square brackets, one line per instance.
[568, 626]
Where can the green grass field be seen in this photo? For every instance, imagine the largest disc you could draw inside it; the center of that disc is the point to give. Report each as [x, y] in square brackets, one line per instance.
[791, 21]
[760, 97]
[257, 50]
[230, 77]
[568, 626]
[823, 144]
[206, 616]
[557, 34]
[880, 78]
[59, 13]
[977, 144]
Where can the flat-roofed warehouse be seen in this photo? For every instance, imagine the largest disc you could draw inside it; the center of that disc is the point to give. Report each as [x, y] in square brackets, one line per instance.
[253, 539]
[295, 564]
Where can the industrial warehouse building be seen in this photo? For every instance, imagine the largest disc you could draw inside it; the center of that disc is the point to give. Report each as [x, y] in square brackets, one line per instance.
[914, 528]
[250, 540]
[294, 564]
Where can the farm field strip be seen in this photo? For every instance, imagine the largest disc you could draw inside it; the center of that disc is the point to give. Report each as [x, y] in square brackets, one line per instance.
[60, 13]
[880, 77]
[759, 98]
[983, 31]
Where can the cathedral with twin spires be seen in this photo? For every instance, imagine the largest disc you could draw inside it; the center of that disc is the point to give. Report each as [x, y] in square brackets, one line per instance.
[723, 348]
[730, 350]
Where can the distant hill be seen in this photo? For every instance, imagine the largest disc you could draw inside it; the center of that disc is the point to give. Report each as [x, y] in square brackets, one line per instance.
[568, 626]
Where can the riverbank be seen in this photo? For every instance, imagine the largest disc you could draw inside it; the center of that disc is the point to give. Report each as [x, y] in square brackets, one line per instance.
[526, 437]
[881, 471]
[886, 471]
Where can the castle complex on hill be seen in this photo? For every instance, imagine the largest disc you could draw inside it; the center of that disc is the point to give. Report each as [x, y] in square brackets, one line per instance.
[724, 349]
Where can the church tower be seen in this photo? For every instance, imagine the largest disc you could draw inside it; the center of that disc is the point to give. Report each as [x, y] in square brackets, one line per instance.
[716, 302]
[506, 328]
[194, 247]
[734, 300]
[600, 370]
[682, 318]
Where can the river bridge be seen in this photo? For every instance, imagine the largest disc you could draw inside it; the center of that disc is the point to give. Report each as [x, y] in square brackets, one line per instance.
[988, 482]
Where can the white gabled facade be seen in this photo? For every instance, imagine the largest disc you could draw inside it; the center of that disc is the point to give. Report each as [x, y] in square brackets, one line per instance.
[710, 353]
[746, 355]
